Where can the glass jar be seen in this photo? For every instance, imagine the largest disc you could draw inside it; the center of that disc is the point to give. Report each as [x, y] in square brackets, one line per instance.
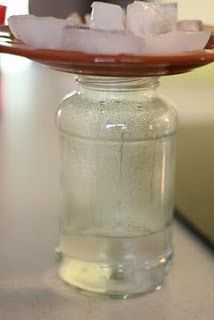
[118, 147]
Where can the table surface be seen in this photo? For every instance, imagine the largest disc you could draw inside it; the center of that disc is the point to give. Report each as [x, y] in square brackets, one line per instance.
[29, 209]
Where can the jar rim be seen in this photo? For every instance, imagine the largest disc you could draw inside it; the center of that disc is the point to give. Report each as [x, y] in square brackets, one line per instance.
[117, 83]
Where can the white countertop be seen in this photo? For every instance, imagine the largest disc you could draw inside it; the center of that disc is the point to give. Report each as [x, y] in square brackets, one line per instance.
[29, 206]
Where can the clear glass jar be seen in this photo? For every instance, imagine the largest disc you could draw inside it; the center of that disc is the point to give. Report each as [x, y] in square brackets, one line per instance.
[118, 148]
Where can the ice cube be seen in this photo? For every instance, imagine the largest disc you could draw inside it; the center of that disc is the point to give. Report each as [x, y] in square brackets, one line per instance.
[190, 25]
[38, 32]
[106, 16]
[176, 42]
[75, 18]
[101, 42]
[144, 18]
[87, 19]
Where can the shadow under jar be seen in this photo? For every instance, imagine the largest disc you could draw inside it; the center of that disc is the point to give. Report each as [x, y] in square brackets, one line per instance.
[118, 147]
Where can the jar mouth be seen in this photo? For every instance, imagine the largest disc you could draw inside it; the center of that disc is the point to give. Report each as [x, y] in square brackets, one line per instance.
[118, 83]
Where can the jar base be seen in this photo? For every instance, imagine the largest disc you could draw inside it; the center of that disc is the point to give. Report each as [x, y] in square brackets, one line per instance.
[119, 280]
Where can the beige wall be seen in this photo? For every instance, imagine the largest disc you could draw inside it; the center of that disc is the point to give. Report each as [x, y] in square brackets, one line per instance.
[199, 9]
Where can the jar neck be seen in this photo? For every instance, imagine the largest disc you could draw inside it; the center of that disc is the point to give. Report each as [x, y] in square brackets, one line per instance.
[116, 84]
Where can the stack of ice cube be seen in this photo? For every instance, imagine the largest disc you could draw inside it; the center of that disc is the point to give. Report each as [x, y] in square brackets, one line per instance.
[142, 29]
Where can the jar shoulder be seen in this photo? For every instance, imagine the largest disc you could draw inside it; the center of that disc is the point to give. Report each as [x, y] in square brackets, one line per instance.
[109, 117]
